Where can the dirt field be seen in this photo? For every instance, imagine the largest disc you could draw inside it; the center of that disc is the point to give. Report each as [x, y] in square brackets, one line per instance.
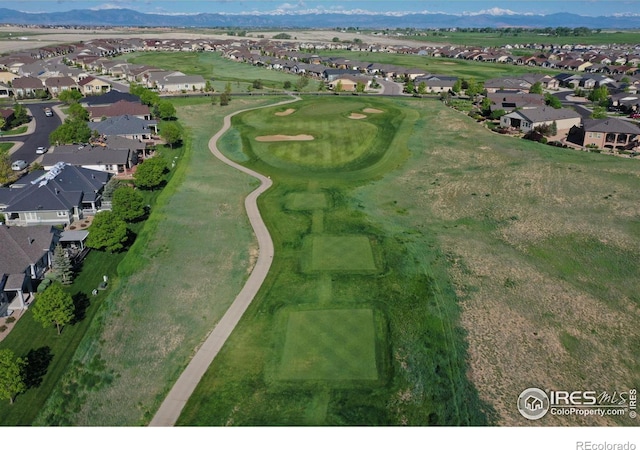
[25, 39]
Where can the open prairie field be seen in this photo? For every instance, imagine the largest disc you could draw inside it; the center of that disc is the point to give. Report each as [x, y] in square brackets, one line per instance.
[498, 264]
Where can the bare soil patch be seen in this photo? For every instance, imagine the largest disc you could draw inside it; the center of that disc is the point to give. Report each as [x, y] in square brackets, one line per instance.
[286, 113]
[284, 137]
[357, 116]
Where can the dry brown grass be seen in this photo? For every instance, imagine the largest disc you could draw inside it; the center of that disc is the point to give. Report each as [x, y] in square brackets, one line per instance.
[490, 200]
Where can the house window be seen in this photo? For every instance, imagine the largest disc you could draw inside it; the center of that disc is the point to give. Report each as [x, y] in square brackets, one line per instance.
[61, 214]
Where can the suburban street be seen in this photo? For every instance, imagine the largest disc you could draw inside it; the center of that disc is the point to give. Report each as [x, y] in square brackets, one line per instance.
[39, 137]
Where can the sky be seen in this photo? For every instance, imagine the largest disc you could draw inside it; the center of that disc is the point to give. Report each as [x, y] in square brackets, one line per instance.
[583, 7]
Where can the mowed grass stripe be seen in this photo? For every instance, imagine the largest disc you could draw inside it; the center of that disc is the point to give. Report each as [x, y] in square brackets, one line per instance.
[341, 254]
[329, 345]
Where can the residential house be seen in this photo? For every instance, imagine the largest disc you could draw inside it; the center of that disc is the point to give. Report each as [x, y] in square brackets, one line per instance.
[27, 252]
[92, 86]
[330, 75]
[7, 114]
[108, 98]
[349, 83]
[8, 77]
[57, 85]
[178, 83]
[506, 84]
[27, 86]
[5, 91]
[611, 133]
[509, 101]
[126, 126]
[55, 197]
[437, 83]
[527, 120]
[95, 157]
[119, 108]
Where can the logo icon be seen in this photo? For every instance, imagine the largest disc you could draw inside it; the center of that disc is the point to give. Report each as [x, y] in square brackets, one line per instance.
[533, 403]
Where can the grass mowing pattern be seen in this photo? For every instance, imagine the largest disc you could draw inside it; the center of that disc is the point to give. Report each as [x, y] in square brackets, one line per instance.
[301, 201]
[350, 254]
[339, 143]
[414, 344]
[330, 345]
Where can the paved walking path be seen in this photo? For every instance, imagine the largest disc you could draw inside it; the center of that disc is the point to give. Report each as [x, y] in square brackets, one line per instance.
[172, 406]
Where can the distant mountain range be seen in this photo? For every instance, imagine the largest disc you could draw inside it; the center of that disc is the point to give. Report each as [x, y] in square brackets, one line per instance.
[127, 17]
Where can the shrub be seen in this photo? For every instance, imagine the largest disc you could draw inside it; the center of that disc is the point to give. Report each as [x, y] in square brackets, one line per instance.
[10, 319]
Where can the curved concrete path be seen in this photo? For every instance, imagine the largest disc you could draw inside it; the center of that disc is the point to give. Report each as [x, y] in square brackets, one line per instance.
[173, 404]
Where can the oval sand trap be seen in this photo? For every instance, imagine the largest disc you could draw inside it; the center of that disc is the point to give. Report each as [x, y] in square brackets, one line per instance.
[284, 137]
[357, 116]
[286, 113]
[372, 110]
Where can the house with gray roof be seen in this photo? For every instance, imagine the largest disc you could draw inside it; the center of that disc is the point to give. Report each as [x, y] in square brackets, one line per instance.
[611, 133]
[26, 254]
[527, 120]
[95, 157]
[126, 126]
[55, 197]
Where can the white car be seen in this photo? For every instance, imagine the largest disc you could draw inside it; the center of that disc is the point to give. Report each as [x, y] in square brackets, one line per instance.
[41, 150]
[19, 165]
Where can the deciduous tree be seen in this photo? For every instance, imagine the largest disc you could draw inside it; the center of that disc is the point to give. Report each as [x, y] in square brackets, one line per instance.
[54, 305]
[11, 375]
[70, 96]
[128, 204]
[165, 110]
[171, 133]
[150, 174]
[107, 232]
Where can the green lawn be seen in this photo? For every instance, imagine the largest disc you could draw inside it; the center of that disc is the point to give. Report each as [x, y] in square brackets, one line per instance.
[350, 254]
[5, 147]
[218, 69]
[334, 266]
[55, 352]
[480, 71]
[498, 38]
[330, 345]
[18, 130]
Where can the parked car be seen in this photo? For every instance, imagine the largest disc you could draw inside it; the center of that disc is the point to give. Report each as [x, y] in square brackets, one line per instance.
[19, 165]
[48, 112]
[41, 150]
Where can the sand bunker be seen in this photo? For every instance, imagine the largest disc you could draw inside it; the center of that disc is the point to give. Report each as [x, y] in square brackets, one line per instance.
[357, 116]
[284, 137]
[286, 113]
[372, 111]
